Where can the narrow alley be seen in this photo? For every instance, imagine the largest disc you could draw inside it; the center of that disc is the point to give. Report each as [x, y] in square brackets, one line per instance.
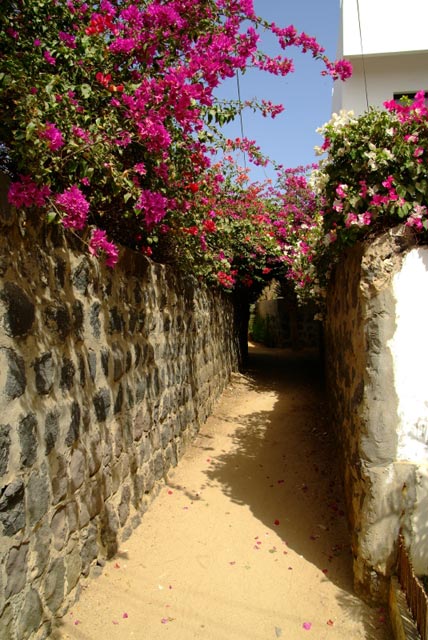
[248, 539]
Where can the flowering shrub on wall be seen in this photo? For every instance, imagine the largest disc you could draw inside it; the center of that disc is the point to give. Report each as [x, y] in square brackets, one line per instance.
[375, 175]
[110, 120]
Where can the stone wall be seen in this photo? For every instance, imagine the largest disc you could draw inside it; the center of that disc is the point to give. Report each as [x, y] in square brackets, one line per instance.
[105, 376]
[367, 355]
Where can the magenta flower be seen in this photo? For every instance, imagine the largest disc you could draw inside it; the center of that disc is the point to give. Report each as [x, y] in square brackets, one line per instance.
[153, 205]
[26, 193]
[74, 205]
[99, 242]
[53, 135]
[49, 58]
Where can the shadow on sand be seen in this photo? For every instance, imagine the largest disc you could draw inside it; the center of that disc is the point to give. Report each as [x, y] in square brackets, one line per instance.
[284, 467]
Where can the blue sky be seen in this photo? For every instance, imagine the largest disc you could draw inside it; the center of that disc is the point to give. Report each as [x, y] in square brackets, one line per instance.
[305, 94]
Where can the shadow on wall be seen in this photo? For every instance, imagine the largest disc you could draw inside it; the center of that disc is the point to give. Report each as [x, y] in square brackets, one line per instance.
[283, 467]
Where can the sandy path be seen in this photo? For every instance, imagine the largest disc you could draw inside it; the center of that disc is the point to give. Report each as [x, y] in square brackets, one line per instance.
[248, 540]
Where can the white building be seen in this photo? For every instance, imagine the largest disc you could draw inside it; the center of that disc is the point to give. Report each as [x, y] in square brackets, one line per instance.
[387, 43]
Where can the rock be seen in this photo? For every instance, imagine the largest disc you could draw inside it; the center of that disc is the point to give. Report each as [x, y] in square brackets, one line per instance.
[12, 507]
[102, 403]
[16, 570]
[30, 615]
[27, 431]
[74, 429]
[51, 430]
[44, 369]
[38, 497]
[54, 584]
[20, 314]
[4, 447]
[16, 379]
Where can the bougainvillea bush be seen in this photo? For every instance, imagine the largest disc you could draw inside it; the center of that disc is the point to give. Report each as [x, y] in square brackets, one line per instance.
[374, 176]
[112, 128]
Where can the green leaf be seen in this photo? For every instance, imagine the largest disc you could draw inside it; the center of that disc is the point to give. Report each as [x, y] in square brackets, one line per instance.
[86, 90]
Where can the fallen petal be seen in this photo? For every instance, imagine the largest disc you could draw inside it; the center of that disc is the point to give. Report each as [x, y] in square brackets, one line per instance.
[276, 523]
[307, 625]
[330, 623]
[125, 615]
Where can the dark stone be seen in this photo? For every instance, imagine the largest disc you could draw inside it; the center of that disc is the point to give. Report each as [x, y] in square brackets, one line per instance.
[94, 319]
[40, 541]
[78, 318]
[16, 570]
[119, 400]
[137, 350]
[137, 293]
[16, 379]
[51, 430]
[12, 507]
[60, 268]
[95, 457]
[123, 509]
[105, 357]
[166, 435]
[74, 429]
[30, 615]
[118, 363]
[116, 324]
[82, 370]
[58, 319]
[7, 624]
[102, 403]
[27, 430]
[59, 478]
[44, 370]
[140, 389]
[158, 465]
[130, 396]
[4, 447]
[38, 497]
[128, 361]
[20, 314]
[54, 584]
[67, 374]
[81, 277]
[89, 550]
[109, 526]
[132, 320]
[92, 364]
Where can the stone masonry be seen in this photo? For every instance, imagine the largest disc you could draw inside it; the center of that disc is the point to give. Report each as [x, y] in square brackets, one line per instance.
[105, 376]
[384, 487]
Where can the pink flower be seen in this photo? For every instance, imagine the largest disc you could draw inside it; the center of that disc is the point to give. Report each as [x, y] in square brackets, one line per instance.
[26, 193]
[307, 625]
[153, 205]
[74, 205]
[49, 58]
[98, 242]
[53, 135]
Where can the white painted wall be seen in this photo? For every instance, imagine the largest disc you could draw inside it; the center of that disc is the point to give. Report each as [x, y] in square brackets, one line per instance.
[387, 26]
[385, 75]
[409, 349]
[394, 41]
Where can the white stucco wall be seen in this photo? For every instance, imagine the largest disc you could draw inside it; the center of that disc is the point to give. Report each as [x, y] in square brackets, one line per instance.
[409, 349]
[385, 75]
[386, 26]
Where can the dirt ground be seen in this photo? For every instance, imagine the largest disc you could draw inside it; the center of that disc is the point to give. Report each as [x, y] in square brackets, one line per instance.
[247, 540]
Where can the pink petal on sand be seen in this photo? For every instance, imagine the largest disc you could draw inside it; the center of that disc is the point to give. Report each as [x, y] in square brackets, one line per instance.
[125, 615]
[170, 492]
[307, 626]
[164, 620]
[76, 622]
[330, 623]
[115, 622]
[116, 565]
